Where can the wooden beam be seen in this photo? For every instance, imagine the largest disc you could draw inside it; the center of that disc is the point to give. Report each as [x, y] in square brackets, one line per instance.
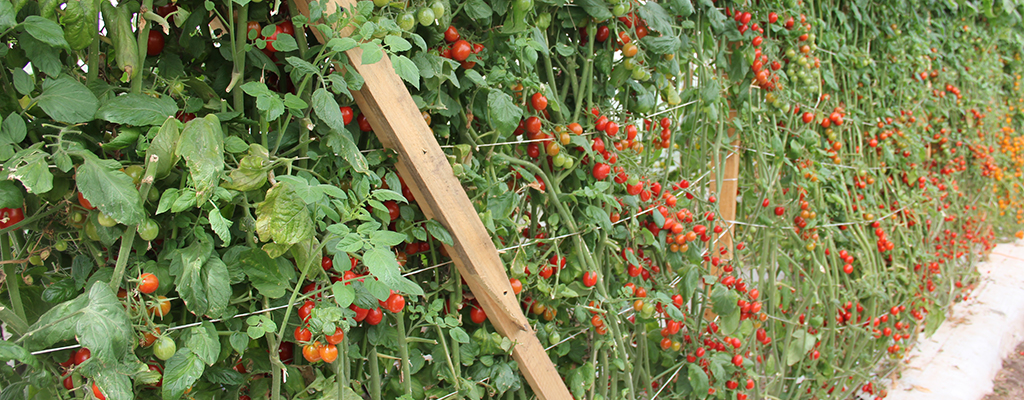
[396, 120]
[726, 200]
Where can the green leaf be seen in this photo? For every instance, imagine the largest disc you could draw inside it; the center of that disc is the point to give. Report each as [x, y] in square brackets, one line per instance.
[341, 143]
[239, 342]
[596, 8]
[263, 273]
[10, 351]
[397, 44]
[382, 264]
[439, 232]
[114, 383]
[137, 109]
[12, 131]
[725, 300]
[282, 217]
[45, 30]
[407, 70]
[371, 52]
[67, 100]
[103, 326]
[32, 170]
[935, 318]
[110, 190]
[285, 43]
[656, 17]
[478, 9]
[220, 225]
[202, 146]
[302, 66]
[163, 146]
[23, 82]
[343, 294]
[386, 238]
[180, 372]
[459, 335]
[60, 291]
[504, 113]
[7, 15]
[327, 109]
[698, 379]
[11, 195]
[235, 145]
[204, 342]
[342, 44]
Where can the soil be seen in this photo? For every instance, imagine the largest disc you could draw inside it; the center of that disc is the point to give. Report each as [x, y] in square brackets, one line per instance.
[1009, 383]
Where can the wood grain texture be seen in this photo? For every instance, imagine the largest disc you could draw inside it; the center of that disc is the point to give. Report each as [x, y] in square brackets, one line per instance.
[398, 124]
[726, 201]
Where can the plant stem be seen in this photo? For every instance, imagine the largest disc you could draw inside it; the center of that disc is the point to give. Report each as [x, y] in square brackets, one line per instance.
[403, 351]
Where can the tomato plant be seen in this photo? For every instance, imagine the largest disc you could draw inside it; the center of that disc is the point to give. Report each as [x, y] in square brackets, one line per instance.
[882, 161]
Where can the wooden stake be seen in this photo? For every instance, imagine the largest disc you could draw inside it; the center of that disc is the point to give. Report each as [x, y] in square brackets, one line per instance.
[726, 201]
[396, 120]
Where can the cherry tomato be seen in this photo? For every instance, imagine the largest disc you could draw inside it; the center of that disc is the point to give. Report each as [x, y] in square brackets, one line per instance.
[328, 353]
[461, 50]
[69, 383]
[156, 42]
[283, 27]
[10, 216]
[539, 101]
[84, 203]
[286, 352]
[306, 310]
[327, 263]
[602, 33]
[156, 368]
[311, 352]
[451, 34]
[148, 283]
[374, 316]
[97, 392]
[253, 26]
[337, 337]
[346, 114]
[364, 124]
[161, 307]
[302, 335]
[166, 9]
[393, 211]
[477, 314]
[148, 229]
[517, 285]
[395, 303]
[164, 348]
[81, 355]
[589, 278]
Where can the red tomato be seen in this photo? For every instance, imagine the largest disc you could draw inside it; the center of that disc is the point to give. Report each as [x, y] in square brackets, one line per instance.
[374, 316]
[602, 33]
[283, 27]
[156, 42]
[517, 285]
[539, 102]
[81, 355]
[461, 50]
[166, 9]
[302, 334]
[10, 216]
[311, 352]
[97, 393]
[253, 26]
[451, 34]
[395, 303]
[589, 278]
[346, 114]
[306, 310]
[478, 315]
[337, 337]
[84, 203]
[601, 171]
[364, 125]
[393, 210]
[328, 353]
[327, 263]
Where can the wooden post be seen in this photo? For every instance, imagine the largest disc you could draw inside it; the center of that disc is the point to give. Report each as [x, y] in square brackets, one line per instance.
[726, 201]
[396, 120]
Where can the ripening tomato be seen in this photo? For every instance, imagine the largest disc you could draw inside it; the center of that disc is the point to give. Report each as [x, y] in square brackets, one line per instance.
[84, 203]
[148, 283]
[539, 101]
[517, 285]
[311, 352]
[156, 42]
[328, 353]
[252, 30]
[161, 307]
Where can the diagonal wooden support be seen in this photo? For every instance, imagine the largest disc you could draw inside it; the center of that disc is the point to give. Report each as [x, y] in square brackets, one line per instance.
[396, 120]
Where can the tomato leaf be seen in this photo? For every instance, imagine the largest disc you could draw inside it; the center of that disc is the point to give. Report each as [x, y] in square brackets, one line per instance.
[7, 15]
[114, 383]
[655, 17]
[343, 294]
[282, 217]
[503, 111]
[180, 372]
[204, 342]
[67, 100]
[459, 335]
[12, 132]
[45, 30]
[10, 195]
[239, 342]
[439, 232]
[263, 273]
[406, 69]
[110, 190]
[10, 351]
[725, 300]
[341, 143]
[137, 109]
[220, 225]
[478, 9]
[382, 264]
[202, 146]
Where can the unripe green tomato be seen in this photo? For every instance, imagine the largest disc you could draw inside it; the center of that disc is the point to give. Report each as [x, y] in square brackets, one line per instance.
[629, 65]
[35, 260]
[522, 5]
[426, 16]
[568, 163]
[554, 338]
[620, 10]
[91, 232]
[544, 20]
[674, 99]
[407, 21]
[790, 53]
[164, 348]
[638, 74]
[558, 161]
[633, 180]
[381, 3]
[60, 245]
[438, 8]
[106, 220]
[153, 196]
[148, 229]
[647, 311]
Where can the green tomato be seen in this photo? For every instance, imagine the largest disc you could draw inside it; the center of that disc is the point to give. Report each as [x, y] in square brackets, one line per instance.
[407, 21]
[620, 10]
[522, 5]
[135, 172]
[91, 232]
[381, 3]
[438, 8]
[164, 348]
[647, 311]
[568, 163]
[559, 160]
[35, 260]
[554, 338]
[639, 74]
[426, 16]
[106, 220]
[148, 229]
[60, 245]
